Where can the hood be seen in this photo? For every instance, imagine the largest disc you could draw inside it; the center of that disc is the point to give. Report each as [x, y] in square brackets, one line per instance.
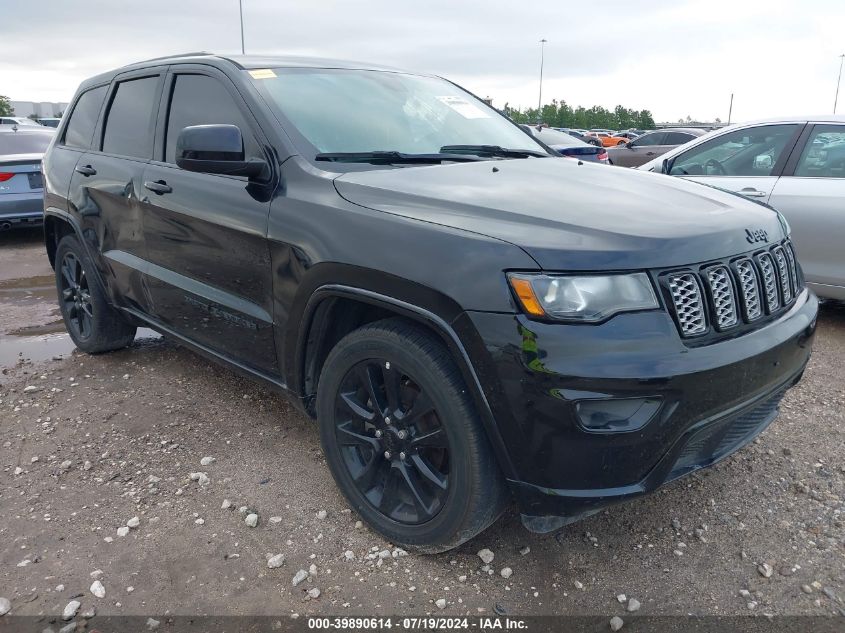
[569, 216]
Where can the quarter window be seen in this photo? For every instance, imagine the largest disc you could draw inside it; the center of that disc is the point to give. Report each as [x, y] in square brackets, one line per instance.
[80, 127]
[203, 100]
[128, 129]
[824, 154]
[746, 152]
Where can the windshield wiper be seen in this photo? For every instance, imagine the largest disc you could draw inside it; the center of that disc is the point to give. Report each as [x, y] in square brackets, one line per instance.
[393, 157]
[492, 150]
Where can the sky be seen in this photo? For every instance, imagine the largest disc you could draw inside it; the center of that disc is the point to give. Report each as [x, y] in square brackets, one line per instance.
[677, 58]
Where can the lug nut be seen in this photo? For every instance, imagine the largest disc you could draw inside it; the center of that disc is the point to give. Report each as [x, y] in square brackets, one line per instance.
[387, 454]
[401, 455]
[378, 433]
[387, 420]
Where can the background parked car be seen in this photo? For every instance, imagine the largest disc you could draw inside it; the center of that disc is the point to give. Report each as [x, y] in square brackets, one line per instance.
[608, 139]
[50, 121]
[797, 166]
[628, 135]
[651, 145]
[567, 145]
[581, 135]
[21, 186]
[16, 120]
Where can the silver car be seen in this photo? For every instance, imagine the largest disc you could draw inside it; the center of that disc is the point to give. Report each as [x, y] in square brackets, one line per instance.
[797, 166]
[21, 188]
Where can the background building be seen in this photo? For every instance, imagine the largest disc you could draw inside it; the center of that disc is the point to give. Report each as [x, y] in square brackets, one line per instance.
[41, 109]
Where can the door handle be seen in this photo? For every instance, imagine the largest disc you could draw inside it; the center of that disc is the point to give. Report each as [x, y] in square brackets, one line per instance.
[159, 187]
[86, 170]
[752, 193]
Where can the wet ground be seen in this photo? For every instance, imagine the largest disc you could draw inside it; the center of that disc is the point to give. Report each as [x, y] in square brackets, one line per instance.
[89, 442]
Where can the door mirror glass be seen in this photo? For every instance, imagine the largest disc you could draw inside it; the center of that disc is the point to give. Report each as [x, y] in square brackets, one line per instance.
[215, 149]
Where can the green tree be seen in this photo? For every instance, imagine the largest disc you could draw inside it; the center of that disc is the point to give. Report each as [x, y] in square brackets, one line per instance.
[6, 108]
[561, 114]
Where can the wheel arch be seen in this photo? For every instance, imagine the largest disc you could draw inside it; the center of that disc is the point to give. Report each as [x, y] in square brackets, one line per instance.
[345, 308]
[58, 224]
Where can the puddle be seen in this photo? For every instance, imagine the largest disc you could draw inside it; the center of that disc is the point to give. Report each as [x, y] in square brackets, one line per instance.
[51, 342]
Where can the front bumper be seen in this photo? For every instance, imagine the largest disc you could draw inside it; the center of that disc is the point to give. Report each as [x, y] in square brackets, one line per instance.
[710, 401]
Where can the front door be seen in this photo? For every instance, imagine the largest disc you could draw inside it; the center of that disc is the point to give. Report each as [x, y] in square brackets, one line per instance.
[206, 235]
[747, 161]
[640, 150]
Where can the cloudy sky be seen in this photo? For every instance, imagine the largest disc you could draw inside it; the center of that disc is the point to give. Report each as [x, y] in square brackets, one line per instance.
[675, 58]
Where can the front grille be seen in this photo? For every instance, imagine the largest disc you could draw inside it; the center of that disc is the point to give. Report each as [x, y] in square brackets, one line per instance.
[739, 291]
[722, 293]
[689, 307]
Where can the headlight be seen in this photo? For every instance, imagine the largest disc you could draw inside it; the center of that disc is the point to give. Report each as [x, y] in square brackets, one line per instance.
[583, 298]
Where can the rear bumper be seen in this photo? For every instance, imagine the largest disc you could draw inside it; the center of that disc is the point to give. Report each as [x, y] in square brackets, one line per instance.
[700, 404]
[22, 209]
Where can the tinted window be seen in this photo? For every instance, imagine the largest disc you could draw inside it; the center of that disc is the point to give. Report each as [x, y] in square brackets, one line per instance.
[553, 137]
[824, 154]
[677, 138]
[127, 131]
[202, 100]
[746, 152]
[80, 127]
[650, 139]
[25, 142]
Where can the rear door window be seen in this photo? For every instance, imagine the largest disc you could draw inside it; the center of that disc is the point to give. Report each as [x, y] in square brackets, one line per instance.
[80, 127]
[824, 154]
[677, 138]
[128, 128]
[650, 139]
[204, 100]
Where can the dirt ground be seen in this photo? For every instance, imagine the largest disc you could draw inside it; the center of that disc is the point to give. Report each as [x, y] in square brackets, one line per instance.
[88, 443]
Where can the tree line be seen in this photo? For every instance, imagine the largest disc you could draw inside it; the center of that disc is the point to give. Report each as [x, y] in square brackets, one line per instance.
[561, 114]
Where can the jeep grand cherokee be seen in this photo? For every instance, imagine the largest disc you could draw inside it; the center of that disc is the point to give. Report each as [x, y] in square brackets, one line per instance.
[466, 322]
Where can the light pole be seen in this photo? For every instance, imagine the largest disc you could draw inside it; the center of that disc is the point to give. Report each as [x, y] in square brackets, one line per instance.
[540, 97]
[241, 11]
[836, 99]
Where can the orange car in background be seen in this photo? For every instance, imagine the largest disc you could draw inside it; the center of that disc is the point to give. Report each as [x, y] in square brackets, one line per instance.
[608, 140]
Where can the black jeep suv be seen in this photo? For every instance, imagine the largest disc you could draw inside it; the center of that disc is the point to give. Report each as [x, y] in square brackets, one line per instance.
[465, 321]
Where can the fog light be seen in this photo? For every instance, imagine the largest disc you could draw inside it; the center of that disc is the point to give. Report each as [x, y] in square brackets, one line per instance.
[617, 415]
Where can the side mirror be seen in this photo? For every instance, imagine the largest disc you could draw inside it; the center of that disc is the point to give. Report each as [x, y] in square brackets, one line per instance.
[629, 144]
[215, 149]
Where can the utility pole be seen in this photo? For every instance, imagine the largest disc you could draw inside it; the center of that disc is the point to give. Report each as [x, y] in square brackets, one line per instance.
[836, 99]
[241, 9]
[540, 98]
[730, 108]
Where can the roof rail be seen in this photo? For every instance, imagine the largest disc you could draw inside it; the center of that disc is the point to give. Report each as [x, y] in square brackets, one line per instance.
[192, 54]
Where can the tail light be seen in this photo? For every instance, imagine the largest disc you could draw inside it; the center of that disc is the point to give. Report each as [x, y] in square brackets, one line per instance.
[4, 176]
[602, 155]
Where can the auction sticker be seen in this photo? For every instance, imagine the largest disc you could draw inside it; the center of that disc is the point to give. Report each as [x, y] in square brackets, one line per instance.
[262, 73]
[464, 107]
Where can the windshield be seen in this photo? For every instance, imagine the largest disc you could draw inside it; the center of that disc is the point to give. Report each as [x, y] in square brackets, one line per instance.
[25, 142]
[337, 110]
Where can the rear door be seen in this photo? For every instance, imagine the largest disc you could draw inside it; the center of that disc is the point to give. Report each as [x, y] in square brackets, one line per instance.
[811, 195]
[106, 184]
[206, 234]
[747, 161]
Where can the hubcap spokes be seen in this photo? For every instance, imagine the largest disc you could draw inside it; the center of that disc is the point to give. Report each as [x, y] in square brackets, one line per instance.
[392, 442]
[76, 296]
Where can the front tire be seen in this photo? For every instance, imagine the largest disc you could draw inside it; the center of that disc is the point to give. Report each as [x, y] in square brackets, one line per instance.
[403, 440]
[93, 324]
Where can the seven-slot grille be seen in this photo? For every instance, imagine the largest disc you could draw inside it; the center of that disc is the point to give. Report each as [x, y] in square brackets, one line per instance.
[740, 291]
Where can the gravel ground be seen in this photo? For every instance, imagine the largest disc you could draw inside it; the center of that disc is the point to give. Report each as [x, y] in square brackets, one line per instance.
[128, 482]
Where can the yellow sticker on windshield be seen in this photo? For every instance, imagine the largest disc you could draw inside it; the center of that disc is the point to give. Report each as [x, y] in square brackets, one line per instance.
[262, 73]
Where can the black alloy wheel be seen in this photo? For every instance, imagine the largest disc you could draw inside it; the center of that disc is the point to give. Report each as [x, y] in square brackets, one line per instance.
[76, 296]
[392, 441]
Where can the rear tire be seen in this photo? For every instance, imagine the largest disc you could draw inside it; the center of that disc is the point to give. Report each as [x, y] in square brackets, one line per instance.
[403, 440]
[93, 324]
